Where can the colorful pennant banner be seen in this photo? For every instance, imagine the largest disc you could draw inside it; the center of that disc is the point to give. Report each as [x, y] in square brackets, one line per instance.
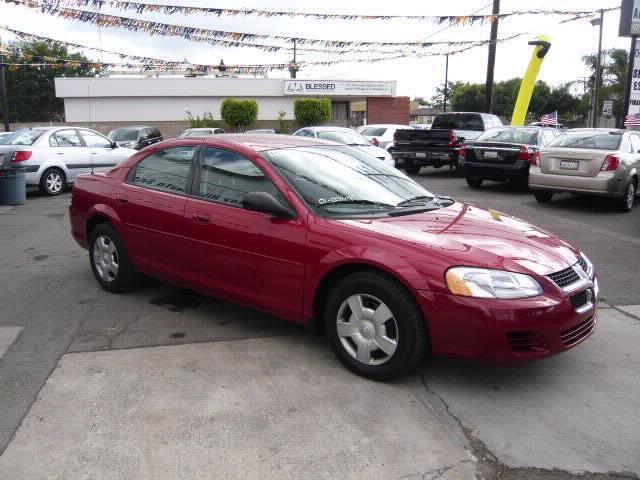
[142, 7]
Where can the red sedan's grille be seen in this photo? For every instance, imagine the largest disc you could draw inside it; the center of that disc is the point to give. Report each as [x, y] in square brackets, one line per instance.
[564, 277]
[583, 264]
[526, 342]
[573, 335]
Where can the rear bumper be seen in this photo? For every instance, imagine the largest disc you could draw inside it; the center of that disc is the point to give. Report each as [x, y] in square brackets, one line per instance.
[430, 157]
[505, 331]
[608, 184]
[519, 169]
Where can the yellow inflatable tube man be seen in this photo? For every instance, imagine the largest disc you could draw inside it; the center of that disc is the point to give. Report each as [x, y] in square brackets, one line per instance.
[542, 46]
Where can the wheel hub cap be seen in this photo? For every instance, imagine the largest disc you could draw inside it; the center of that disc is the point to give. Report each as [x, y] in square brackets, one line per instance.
[367, 329]
[105, 258]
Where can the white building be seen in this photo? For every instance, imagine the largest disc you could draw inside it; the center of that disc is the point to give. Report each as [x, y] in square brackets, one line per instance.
[110, 100]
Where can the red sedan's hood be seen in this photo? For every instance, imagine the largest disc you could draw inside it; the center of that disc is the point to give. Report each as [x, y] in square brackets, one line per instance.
[472, 236]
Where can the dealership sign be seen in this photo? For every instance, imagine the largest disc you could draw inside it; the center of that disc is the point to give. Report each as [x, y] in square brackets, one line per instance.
[634, 93]
[338, 88]
[629, 18]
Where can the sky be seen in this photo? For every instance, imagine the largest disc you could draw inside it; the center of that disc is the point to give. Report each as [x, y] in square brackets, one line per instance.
[414, 76]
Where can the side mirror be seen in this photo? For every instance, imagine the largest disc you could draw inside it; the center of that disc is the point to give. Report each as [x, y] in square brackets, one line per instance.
[114, 144]
[266, 203]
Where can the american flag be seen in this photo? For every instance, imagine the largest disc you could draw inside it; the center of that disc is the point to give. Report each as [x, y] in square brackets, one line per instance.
[632, 120]
[550, 118]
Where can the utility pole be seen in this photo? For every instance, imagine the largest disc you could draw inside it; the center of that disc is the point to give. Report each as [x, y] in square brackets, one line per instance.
[293, 66]
[596, 88]
[627, 90]
[491, 62]
[446, 82]
[3, 93]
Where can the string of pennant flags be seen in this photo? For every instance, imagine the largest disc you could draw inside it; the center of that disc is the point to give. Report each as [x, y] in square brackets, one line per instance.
[239, 39]
[147, 63]
[143, 7]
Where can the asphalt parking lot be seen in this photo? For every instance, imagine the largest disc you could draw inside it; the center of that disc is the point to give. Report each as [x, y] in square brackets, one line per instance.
[164, 383]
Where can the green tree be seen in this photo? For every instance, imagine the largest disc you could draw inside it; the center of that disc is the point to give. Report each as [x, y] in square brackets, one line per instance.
[31, 90]
[613, 78]
[468, 97]
[312, 111]
[437, 100]
[239, 114]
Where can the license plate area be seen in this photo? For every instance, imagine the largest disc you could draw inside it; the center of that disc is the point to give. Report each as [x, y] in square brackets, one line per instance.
[490, 155]
[421, 155]
[568, 165]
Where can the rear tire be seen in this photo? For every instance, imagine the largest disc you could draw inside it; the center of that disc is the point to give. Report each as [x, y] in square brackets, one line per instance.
[625, 203]
[411, 167]
[474, 182]
[543, 196]
[109, 260]
[384, 313]
[53, 182]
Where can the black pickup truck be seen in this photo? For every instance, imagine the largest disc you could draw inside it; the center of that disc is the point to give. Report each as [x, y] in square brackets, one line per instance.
[438, 146]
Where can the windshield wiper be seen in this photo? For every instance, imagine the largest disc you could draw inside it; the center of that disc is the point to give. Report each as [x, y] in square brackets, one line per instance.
[356, 202]
[411, 200]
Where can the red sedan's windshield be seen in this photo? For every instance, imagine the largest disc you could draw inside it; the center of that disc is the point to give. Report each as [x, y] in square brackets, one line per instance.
[343, 180]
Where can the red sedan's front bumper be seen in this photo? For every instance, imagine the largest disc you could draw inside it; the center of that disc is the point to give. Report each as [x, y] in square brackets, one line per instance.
[505, 331]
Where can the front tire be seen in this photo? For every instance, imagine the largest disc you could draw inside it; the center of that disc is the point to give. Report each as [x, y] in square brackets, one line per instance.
[53, 182]
[109, 260]
[543, 196]
[375, 327]
[474, 182]
[625, 204]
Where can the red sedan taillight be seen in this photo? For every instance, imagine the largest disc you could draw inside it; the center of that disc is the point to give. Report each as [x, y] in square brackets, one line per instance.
[453, 139]
[612, 162]
[21, 156]
[462, 153]
[529, 154]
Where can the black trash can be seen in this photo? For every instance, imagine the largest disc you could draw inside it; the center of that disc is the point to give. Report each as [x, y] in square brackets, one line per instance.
[13, 189]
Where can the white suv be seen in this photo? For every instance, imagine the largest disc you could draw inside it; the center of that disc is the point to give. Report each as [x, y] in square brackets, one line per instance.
[53, 157]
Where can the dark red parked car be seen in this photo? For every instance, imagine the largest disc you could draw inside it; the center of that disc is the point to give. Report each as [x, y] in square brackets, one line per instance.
[324, 235]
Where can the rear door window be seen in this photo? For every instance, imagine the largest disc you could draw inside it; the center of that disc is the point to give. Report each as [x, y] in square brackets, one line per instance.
[166, 170]
[65, 138]
[635, 143]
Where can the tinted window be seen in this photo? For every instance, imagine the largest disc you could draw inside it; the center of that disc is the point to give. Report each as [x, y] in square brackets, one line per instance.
[226, 177]
[589, 139]
[21, 137]
[304, 133]
[510, 135]
[373, 131]
[92, 139]
[459, 121]
[65, 138]
[166, 170]
[126, 135]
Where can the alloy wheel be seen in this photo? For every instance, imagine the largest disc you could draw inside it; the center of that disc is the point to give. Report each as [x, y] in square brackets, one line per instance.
[105, 258]
[54, 182]
[631, 194]
[367, 329]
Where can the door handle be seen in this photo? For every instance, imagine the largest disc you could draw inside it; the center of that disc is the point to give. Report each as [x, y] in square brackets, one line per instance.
[60, 153]
[122, 199]
[200, 217]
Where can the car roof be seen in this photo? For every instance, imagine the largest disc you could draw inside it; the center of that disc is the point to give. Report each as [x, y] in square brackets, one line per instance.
[328, 128]
[261, 142]
[201, 129]
[384, 125]
[133, 127]
[599, 130]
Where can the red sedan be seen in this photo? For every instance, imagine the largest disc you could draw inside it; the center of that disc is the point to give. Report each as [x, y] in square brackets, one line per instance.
[325, 235]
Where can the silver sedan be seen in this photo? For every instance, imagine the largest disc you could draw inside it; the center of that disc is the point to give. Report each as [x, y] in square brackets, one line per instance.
[591, 161]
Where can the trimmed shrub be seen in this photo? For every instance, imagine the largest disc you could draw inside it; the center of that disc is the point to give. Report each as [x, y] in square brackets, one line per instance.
[312, 111]
[239, 114]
